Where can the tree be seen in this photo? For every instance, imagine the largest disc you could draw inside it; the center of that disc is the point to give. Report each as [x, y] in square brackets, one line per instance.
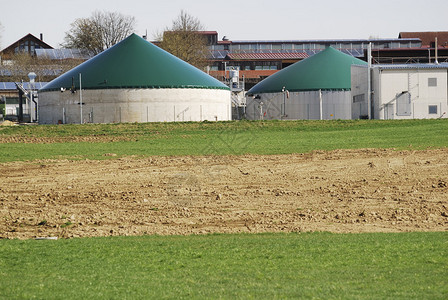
[184, 40]
[100, 31]
[23, 63]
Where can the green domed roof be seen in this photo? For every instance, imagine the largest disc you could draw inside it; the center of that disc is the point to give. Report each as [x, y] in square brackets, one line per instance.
[326, 70]
[134, 63]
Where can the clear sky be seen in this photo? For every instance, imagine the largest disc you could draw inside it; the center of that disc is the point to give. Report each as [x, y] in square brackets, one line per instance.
[236, 19]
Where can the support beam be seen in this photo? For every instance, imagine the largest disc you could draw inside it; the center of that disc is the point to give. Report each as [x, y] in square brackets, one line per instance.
[20, 116]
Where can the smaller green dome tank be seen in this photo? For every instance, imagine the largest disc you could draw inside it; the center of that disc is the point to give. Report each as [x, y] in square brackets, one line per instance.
[326, 70]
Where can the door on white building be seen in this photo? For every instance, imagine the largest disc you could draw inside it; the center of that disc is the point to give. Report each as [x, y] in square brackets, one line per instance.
[389, 111]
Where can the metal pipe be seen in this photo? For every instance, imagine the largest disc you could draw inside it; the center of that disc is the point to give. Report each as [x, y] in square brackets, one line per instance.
[436, 61]
[20, 116]
[283, 112]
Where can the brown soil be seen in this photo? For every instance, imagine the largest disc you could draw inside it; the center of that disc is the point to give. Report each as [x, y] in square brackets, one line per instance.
[76, 139]
[338, 191]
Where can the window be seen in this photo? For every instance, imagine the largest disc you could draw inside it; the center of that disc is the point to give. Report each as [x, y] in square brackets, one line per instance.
[265, 46]
[277, 47]
[395, 44]
[432, 109]
[358, 98]
[247, 68]
[287, 46]
[432, 81]
[244, 46]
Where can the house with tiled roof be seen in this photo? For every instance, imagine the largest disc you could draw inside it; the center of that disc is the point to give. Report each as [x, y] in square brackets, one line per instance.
[28, 44]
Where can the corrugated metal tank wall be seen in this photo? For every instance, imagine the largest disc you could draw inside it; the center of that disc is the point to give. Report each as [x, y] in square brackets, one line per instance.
[359, 91]
[300, 105]
[135, 105]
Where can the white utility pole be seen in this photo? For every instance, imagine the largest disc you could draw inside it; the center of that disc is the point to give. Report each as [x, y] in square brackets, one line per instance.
[80, 97]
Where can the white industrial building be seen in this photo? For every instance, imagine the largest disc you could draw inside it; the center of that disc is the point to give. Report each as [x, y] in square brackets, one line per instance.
[134, 81]
[410, 91]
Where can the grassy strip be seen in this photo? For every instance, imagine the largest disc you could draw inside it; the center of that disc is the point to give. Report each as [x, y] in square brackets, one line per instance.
[221, 138]
[266, 266]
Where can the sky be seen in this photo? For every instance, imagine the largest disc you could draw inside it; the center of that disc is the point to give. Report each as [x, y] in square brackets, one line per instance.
[236, 19]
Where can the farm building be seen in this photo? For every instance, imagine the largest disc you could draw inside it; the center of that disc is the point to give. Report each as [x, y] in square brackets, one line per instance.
[318, 87]
[133, 81]
[411, 91]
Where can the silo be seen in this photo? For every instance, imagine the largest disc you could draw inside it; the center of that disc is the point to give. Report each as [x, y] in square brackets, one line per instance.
[318, 87]
[134, 81]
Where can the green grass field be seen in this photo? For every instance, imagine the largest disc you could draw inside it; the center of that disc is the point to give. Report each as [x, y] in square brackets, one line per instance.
[221, 138]
[262, 266]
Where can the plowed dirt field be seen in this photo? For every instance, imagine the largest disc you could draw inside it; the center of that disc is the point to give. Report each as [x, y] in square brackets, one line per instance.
[338, 191]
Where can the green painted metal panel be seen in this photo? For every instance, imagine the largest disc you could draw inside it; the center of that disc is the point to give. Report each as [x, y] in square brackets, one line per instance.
[326, 70]
[134, 63]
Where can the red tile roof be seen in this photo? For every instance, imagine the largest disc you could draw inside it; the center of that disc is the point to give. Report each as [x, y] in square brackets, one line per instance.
[267, 56]
[427, 37]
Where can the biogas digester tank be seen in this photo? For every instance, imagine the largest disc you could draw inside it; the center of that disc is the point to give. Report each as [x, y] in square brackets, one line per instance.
[134, 81]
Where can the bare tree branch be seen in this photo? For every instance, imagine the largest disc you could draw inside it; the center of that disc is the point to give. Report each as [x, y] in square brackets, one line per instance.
[184, 40]
[45, 69]
[100, 31]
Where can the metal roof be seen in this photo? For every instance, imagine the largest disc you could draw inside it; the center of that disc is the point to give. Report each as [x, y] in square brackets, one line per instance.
[411, 66]
[327, 70]
[134, 63]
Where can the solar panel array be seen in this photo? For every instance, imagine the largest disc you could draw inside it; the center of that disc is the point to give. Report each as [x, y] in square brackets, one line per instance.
[221, 54]
[12, 86]
[63, 54]
[5, 72]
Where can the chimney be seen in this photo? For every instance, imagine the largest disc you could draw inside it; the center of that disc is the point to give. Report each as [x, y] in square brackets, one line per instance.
[42, 37]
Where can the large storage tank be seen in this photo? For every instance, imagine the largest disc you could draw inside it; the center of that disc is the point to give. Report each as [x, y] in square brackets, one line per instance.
[318, 87]
[134, 81]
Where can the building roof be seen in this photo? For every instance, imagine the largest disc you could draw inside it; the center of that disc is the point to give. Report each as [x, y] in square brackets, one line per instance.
[411, 66]
[267, 56]
[134, 63]
[28, 37]
[428, 37]
[326, 70]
